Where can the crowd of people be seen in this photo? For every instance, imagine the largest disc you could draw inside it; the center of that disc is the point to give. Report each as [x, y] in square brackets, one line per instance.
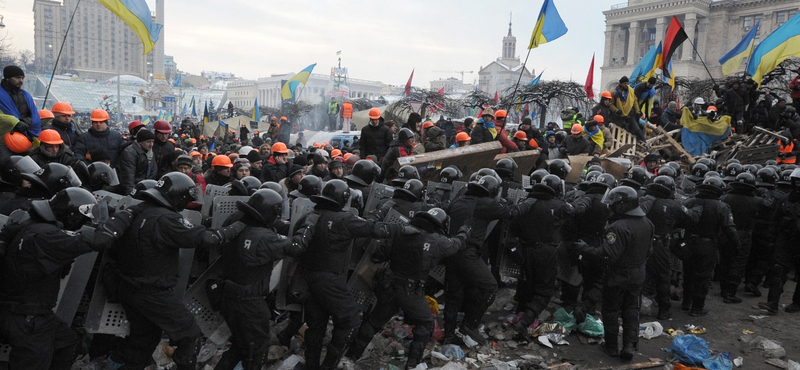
[658, 228]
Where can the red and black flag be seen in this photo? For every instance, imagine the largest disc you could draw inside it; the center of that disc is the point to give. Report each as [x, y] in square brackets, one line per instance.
[675, 37]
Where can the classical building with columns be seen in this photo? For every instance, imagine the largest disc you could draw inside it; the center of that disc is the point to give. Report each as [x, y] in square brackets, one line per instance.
[504, 72]
[713, 26]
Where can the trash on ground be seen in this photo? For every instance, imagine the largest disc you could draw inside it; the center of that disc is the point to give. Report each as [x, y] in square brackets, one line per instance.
[690, 349]
[650, 330]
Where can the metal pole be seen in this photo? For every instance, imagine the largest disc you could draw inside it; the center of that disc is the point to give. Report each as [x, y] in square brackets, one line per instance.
[55, 65]
[521, 71]
[701, 61]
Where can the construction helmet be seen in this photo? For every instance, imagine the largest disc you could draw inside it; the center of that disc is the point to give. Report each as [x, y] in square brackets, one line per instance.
[576, 129]
[71, 207]
[17, 142]
[162, 127]
[280, 148]
[45, 114]
[520, 135]
[599, 119]
[174, 191]
[623, 200]
[264, 206]
[221, 161]
[374, 113]
[99, 115]
[63, 108]
[605, 95]
[449, 175]
[501, 113]
[462, 136]
[699, 100]
[134, 124]
[51, 137]
[427, 125]
[335, 193]
[284, 119]
[336, 153]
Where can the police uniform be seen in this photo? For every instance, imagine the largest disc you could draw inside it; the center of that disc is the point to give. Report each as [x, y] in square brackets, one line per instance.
[411, 258]
[762, 249]
[147, 259]
[494, 241]
[786, 251]
[325, 266]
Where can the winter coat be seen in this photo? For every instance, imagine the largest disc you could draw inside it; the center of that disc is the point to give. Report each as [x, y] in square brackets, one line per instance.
[576, 145]
[68, 134]
[64, 156]
[375, 140]
[162, 152]
[92, 139]
[434, 140]
[480, 134]
[134, 167]
[396, 150]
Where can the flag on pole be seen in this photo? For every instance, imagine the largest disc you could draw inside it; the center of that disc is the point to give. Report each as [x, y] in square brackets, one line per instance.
[731, 61]
[675, 37]
[408, 84]
[256, 112]
[782, 43]
[178, 80]
[183, 112]
[194, 110]
[441, 91]
[205, 113]
[288, 89]
[496, 98]
[338, 52]
[146, 120]
[549, 25]
[169, 116]
[136, 14]
[589, 85]
[647, 65]
[222, 123]
[536, 80]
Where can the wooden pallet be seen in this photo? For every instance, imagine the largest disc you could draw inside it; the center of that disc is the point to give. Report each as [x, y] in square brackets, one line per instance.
[622, 138]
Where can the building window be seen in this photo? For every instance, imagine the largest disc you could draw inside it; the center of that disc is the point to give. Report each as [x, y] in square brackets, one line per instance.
[780, 17]
[748, 22]
[756, 19]
[792, 13]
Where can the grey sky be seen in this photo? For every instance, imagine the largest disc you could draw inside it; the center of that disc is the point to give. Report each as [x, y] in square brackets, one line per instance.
[379, 40]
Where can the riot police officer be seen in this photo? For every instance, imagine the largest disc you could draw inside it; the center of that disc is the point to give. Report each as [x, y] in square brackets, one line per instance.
[411, 258]
[147, 273]
[786, 251]
[702, 246]
[44, 247]
[362, 176]
[325, 266]
[45, 183]
[407, 199]
[247, 266]
[666, 214]
[441, 194]
[626, 244]
[505, 168]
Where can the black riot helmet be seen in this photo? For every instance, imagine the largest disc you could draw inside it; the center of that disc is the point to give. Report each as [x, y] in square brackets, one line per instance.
[550, 184]
[591, 176]
[623, 200]
[437, 217]
[712, 186]
[142, 186]
[364, 172]
[712, 164]
[335, 193]
[100, 175]
[784, 178]
[538, 175]
[15, 166]
[731, 171]
[404, 174]
[52, 178]
[309, 186]
[264, 206]
[405, 134]
[486, 186]
[766, 177]
[488, 172]
[174, 190]
[505, 167]
[274, 186]
[662, 186]
[667, 171]
[744, 181]
[596, 167]
[604, 181]
[732, 160]
[752, 168]
[411, 190]
[636, 177]
[449, 175]
[72, 207]
[675, 166]
[795, 177]
[560, 168]
[698, 171]
[246, 186]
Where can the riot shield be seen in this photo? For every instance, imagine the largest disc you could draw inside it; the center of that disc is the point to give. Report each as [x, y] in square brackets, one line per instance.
[196, 300]
[376, 194]
[508, 266]
[212, 191]
[300, 207]
[459, 187]
[223, 206]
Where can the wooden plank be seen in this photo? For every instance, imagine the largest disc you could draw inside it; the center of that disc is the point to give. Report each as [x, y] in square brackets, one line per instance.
[469, 159]
[526, 160]
[619, 151]
[677, 146]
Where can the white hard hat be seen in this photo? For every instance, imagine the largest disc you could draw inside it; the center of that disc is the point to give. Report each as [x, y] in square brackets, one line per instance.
[245, 150]
[699, 101]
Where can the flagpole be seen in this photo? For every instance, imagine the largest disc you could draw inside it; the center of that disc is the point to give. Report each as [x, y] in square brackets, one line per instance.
[521, 72]
[63, 42]
[701, 61]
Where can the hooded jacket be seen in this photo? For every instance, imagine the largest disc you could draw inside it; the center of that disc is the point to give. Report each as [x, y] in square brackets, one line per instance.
[92, 139]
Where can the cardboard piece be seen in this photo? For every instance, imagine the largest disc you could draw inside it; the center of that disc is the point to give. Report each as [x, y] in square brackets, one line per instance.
[614, 168]
[577, 162]
[468, 159]
[526, 160]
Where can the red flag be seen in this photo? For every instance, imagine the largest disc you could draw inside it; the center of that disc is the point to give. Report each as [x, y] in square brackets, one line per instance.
[441, 91]
[408, 84]
[496, 98]
[588, 86]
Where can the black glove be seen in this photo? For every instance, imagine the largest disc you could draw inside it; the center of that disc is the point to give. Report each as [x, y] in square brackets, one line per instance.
[22, 127]
[466, 230]
[136, 209]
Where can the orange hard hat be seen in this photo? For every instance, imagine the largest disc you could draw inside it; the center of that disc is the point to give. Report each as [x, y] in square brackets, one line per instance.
[202, 137]
[374, 113]
[520, 135]
[711, 107]
[533, 144]
[316, 145]
[193, 140]
[255, 132]
[347, 155]
[576, 129]
[99, 115]
[134, 124]
[427, 125]
[51, 137]
[274, 119]
[233, 155]
[280, 147]
[462, 136]
[606, 95]
[500, 114]
[45, 114]
[599, 119]
[221, 161]
[183, 136]
[17, 142]
[63, 108]
[171, 140]
[284, 119]
[195, 154]
[336, 153]
[324, 143]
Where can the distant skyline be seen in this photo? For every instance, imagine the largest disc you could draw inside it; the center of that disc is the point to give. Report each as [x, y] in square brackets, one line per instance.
[383, 43]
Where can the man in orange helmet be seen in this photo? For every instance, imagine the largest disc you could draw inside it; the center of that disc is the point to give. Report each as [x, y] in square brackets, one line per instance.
[99, 136]
[62, 123]
[19, 103]
[277, 166]
[375, 137]
[52, 150]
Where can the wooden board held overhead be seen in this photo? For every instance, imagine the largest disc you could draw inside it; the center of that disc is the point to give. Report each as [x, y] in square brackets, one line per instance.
[468, 159]
[526, 161]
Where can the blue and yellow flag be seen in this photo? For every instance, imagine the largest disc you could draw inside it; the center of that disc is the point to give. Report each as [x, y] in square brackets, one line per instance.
[549, 25]
[169, 116]
[256, 112]
[535, 81]
[146, 120]
[136, 14]
[287, 91]
[731, 61]
[647, 66]
[783, 43]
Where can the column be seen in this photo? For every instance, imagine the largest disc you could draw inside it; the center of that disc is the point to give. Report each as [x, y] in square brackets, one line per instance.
[660, 29]
[702, 35]
[689, 24]
[609, 45]
[633, 42]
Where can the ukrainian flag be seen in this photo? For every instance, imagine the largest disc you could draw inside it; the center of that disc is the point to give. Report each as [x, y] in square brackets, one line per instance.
[779, 45]
[146, 120]
[647, 66]
[256, 112]
[136, 14]
[731, 61]
[287, 91]
[549, 26]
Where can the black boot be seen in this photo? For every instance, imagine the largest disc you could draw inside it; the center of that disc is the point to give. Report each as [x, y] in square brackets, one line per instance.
[415, 352]
[332, 358]
[611, 349]
[628, 349]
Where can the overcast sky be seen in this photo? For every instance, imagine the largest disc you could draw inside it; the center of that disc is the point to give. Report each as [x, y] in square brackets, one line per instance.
[379, 40]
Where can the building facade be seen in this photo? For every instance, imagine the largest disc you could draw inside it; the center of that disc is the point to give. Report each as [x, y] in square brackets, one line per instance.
[98, 46]
[713, 27]
[450, 84]
[313, 92]
[243, 93]
[504, 72]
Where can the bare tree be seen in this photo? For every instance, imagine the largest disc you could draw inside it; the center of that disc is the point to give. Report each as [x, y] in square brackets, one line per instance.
[25, 59]
[547, 96]
[431, 101]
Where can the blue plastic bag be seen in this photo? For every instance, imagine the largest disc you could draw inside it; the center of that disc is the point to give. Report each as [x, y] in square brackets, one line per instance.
[690, 350]
[718, 362]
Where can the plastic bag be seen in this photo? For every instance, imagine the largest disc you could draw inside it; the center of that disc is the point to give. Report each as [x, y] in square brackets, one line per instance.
[646, 308]
[591, 327]
[771, 349]
[718, 362]
[567, 320]
[452, 351]
[650, 330]
[438, 333]
[690, 349]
